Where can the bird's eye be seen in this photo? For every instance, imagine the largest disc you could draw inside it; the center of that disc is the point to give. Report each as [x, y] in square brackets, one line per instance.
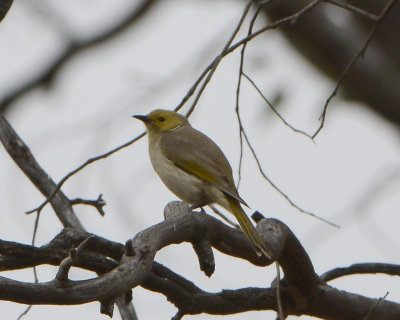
[161, 119]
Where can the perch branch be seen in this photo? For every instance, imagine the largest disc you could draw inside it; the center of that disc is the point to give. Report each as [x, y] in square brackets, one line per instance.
[362, 268]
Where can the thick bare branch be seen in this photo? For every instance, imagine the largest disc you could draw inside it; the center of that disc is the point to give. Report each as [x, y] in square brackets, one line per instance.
[18, 256]
[5, 5]
[328, 303]
[126, 310]
[133, 269]
[334, 304]
[23, 157]
[301, 292]
[191, 300]
[290, 254]
[362, 268]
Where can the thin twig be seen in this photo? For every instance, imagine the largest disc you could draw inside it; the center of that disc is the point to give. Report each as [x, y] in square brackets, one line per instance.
[354, 9]
[362, 268]
[35, 276]
[274, 25]
[375, 305]
[25, 312]
[35, 229]
[99, 203]
[279, 190]
[219, 58]
[251, 25]
[274, 109]
[243, 132]
[240, 160]
[84, 165]
[278, 291]
[289, 19]
[358, 55]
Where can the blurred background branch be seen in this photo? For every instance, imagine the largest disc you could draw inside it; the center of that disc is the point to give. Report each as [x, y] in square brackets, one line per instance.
[72, 48]
[329, 38]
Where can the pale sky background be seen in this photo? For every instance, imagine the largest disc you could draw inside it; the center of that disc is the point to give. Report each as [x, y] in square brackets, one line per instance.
[88, 112]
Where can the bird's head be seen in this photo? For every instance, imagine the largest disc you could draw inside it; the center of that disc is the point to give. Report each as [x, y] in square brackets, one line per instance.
[160, 121]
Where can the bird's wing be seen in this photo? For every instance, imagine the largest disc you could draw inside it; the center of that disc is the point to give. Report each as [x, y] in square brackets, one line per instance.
[201, 157]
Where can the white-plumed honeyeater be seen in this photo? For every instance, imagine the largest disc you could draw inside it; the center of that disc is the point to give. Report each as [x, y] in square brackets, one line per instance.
[194, 168]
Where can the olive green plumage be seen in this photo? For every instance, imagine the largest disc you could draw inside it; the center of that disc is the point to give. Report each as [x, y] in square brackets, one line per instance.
[194, 168]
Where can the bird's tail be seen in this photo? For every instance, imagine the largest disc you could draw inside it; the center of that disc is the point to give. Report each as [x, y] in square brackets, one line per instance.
[249, 230]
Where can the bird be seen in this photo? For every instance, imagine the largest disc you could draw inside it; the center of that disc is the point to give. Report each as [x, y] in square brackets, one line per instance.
[195, 169]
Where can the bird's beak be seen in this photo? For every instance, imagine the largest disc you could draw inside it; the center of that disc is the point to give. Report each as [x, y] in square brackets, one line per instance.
[145, 119]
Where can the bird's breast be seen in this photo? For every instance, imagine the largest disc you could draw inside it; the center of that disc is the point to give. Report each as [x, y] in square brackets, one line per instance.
[184, 185]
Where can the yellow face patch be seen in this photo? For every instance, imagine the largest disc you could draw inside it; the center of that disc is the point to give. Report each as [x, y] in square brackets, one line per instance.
[165, 120]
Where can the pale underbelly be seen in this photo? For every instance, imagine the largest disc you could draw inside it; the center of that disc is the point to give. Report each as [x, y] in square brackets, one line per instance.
[187, 187]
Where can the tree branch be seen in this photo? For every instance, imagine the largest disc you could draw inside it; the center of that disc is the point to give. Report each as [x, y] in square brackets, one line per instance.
[330, 47]
[354, 9]
[23, 157]
[133, 269]
[352, 61]
[302, 292]
[362, 268]
[5, 5]
[99, 203]
[334, 304]
[21, 154]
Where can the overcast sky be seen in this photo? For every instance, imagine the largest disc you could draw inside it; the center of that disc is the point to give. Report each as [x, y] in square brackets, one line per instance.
[349, 175]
